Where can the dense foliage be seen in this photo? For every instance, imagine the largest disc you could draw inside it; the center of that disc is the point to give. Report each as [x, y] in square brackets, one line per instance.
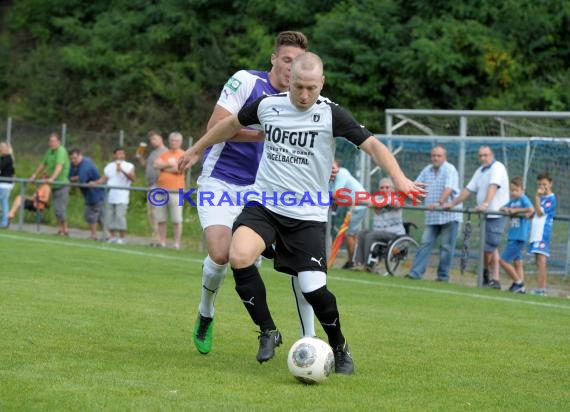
[140, 64]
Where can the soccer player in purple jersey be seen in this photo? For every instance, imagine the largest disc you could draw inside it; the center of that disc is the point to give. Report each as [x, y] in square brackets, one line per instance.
[229, 168]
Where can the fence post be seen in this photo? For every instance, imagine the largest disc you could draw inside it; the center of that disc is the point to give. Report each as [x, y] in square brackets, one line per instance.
[567, 254]
[121, 137]
[526, 162]
[23, 201]
[462, 136]
[9, 130]
[63, 133]
[481, 265]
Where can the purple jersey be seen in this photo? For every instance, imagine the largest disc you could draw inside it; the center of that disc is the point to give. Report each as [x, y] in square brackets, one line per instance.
[234, 162]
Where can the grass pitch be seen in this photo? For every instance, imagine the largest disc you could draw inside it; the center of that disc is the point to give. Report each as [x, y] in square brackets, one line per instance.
[86, 326]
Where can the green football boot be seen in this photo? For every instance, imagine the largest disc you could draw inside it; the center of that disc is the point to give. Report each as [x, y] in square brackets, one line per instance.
[202, 335]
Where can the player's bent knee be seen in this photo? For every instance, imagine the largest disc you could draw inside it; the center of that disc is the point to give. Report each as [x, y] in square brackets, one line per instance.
[242, 257]
[219, 257]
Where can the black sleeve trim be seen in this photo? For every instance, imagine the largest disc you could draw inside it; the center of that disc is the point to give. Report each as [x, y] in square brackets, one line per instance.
[248, 114]
[344, 125]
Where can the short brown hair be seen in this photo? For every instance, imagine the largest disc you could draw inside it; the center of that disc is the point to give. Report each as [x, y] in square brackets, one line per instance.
[152, 133]
[517, 181]
[544, 175]
[291, 38]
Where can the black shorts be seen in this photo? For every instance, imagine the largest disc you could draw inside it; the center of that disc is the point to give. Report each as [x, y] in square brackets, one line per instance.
[300, 245]
[29, 205]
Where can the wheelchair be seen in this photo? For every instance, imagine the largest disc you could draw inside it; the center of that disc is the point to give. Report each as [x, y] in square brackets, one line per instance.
[397, 254]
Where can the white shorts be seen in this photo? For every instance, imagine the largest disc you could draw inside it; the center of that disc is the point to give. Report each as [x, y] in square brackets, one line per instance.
[223, 214]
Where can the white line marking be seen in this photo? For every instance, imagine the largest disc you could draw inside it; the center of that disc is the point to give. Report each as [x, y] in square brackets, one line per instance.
[361, 281]
[453, 292]
[102, 248]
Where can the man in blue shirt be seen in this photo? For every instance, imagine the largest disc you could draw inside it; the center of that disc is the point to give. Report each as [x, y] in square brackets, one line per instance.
[83, 170]
[442, 184]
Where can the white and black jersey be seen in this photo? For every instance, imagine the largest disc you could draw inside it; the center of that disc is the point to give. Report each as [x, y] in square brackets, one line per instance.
[293, 175]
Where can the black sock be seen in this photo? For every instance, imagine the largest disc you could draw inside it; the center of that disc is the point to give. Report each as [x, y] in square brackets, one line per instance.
[326, 311]
[251, 290]
[485, 275]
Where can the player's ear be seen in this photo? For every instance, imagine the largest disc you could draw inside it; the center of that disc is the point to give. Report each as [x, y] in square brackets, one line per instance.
[273, 58]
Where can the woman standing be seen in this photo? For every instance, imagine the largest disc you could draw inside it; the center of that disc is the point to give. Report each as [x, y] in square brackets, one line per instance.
[6, 170]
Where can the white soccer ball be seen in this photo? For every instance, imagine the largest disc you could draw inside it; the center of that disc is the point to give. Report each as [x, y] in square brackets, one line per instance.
[310, 360]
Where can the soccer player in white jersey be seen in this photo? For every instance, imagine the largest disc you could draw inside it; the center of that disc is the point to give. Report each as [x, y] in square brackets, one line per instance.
[300, 128]
[229, 168]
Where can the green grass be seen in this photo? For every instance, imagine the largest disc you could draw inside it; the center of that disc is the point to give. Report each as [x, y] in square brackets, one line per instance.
[96, 327]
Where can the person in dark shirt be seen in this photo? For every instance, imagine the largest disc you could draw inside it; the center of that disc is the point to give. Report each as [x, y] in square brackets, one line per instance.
[83, 170]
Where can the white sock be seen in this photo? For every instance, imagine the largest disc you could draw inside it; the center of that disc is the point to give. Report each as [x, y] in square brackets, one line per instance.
[258, 262]
[304, 310]
[213, 276]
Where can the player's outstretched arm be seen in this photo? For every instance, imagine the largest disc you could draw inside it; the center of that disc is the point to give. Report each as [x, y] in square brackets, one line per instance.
[222, 131]
[243, 135]
[386, 160]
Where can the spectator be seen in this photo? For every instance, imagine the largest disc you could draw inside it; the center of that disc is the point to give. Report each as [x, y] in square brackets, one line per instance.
[541, 231]
[491, 184]
[38, 202]
[442, 183]
[518, 234]
[56, 165]
[151, 174]
[172, 180]
[387, 224]
[7, 171]
[118, 173]
[83, 170]
[344, 180]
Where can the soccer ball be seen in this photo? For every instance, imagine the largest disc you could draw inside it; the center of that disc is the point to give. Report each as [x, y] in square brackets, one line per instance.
[310, 360]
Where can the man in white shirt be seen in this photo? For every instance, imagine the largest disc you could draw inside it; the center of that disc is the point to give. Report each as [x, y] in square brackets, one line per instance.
[491, 184]
[117, 173]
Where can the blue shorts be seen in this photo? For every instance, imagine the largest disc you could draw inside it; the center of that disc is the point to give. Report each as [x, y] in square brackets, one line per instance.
[494, 232]
[541, 247]
[513, 251]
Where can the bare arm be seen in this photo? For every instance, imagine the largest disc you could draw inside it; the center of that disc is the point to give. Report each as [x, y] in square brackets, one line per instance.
[386, 160]
[465, 193]
[160, 164]
[491, 191]
[242, 135]
[38, 170]
[442, 198]
[537, 209]
[165, 165]
[130, 175]
[101, 181]
[56, 172]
